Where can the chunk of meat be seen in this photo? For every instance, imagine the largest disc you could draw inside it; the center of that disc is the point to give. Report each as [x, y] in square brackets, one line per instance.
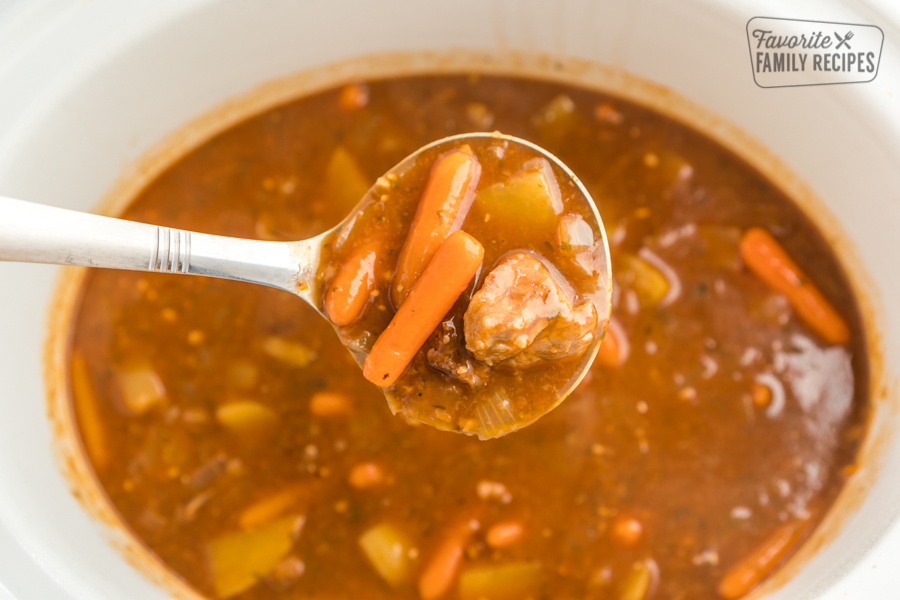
[446, 353]
[524, 315]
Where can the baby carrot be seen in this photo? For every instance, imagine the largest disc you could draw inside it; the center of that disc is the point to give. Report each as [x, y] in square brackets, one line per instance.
[350, 289]
[448, 196]
[445, 278]
[744, 576]
[438, 575]
[271, 507]
[366, 475]
[770, 262]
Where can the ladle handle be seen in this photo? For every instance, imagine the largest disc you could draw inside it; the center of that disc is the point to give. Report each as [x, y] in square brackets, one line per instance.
[38, 233]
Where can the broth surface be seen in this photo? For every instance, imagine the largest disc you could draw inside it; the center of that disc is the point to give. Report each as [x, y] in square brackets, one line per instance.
[678, 438]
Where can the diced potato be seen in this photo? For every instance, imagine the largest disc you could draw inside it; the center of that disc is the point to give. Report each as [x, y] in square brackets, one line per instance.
[271, 507]
[246, 417]
[388, 550]
[502, 582]
[238, 560]
[648, 283]
[637, 583]
[344, 180]
[87, 410]
[141, 389]
[529, 198]
[292, 353]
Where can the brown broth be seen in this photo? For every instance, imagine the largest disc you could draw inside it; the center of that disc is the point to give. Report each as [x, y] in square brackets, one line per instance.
[670, 438]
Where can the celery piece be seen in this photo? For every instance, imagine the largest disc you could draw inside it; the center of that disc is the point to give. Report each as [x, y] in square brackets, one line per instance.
[141, 389]
[530, 198]
[238, 560]
[246, 417]
[344, 180]
[515, 581]
[291, 353]
[647, 282]
[388, 550]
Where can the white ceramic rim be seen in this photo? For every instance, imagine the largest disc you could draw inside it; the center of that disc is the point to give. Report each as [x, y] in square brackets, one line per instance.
[30, 566]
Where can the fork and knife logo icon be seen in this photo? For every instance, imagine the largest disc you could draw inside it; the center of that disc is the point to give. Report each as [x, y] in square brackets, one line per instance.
[843, 41]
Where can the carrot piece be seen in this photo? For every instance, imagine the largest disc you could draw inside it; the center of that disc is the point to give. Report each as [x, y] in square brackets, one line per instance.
[87, 409]
[446, 277]
[744, 576]
[366, 475]
[448, 197]
[438, 574]
[627, 531]
[271, 507]
[352, 286]
[330, 404]
[768, 260]
[608, 354]
[353, 96]
[505, 534]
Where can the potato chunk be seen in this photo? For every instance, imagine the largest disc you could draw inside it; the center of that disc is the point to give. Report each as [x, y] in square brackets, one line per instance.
[246, 418]
[647, 282]
[344, 180]
[238, 560]
[388, 551]
[502, 582]
[141, 389]
[529, 199]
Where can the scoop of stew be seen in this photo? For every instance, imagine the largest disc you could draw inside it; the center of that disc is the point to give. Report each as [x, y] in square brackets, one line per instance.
[473, 286]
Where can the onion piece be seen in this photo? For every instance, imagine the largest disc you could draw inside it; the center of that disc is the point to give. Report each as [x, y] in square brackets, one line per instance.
[778, 395]
[494, 414]
[674, 291]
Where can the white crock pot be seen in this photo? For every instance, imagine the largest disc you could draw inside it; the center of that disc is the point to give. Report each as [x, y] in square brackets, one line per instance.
[88, 87]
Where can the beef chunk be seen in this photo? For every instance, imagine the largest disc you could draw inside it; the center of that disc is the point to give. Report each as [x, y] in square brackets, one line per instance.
[445, 353]
[524, 314]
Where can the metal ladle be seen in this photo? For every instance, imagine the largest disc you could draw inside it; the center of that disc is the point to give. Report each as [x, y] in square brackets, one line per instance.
[38, 233]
